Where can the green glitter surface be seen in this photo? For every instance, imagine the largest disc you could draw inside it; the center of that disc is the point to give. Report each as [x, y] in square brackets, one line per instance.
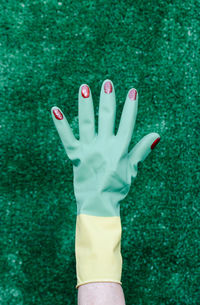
[47, 50]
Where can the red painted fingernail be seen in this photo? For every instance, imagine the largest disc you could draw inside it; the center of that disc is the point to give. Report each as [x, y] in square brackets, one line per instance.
[85, 91]
[107, 87]
[132, 94]
[155, 143]
[58, 115]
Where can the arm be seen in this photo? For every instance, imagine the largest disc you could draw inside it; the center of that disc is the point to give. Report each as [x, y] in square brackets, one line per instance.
[103, 171]
[101, 294]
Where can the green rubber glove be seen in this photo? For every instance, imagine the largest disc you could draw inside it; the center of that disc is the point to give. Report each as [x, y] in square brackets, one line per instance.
[103, 171]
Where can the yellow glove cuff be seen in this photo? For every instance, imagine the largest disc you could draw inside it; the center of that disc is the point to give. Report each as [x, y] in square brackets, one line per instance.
[98, 249]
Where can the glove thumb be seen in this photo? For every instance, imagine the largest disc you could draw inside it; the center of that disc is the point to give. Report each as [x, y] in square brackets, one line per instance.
[142, 149]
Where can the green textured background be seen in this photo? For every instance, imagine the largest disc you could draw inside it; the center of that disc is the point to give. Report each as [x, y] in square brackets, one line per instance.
[47, 50]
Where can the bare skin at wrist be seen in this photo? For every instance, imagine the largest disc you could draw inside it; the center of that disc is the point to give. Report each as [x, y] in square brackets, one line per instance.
[101, 294]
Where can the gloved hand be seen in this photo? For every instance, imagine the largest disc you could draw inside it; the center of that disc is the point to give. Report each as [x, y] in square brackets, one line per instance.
[103, 171]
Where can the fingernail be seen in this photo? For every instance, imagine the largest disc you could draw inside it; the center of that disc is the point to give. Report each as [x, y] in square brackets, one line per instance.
[155, 143]
[107, 87]
[58, 115]
[132, 94]
[85, 91]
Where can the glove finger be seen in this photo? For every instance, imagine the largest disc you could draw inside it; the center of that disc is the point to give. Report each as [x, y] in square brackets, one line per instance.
[128, 119]
[86, 115]
[107, 110]
[64, 130]
[142, 149]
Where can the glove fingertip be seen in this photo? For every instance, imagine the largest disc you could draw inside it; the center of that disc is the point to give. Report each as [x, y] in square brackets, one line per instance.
[56, 113]
[155, 142]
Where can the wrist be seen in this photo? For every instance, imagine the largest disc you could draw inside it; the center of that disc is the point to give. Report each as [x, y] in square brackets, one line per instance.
[98, 204]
